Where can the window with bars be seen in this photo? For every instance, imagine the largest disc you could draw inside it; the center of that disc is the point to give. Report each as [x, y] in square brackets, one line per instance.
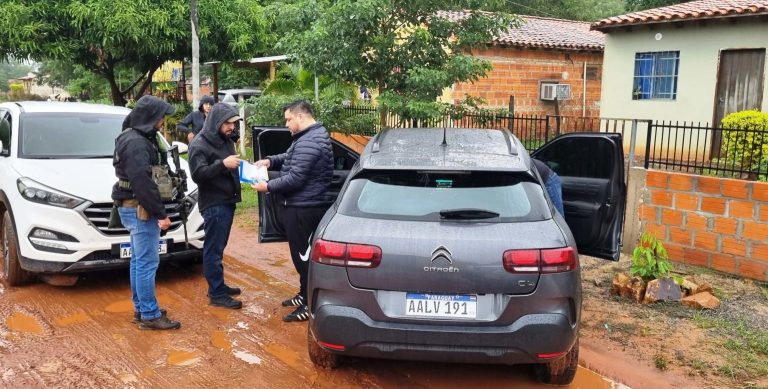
[656, 75]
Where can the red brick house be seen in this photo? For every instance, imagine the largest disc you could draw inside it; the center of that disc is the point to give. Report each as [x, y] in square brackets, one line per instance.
[541, 51]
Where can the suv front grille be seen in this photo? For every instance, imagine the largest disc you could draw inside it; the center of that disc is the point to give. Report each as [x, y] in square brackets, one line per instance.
[98, 215]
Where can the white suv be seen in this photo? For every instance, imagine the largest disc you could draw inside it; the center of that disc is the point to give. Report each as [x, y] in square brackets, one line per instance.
[56, 180]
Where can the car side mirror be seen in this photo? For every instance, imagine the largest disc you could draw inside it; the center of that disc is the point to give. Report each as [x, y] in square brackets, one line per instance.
[183, 148]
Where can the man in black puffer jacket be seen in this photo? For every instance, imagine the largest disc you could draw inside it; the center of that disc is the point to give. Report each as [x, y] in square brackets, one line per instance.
[306, 172]
[214, 165]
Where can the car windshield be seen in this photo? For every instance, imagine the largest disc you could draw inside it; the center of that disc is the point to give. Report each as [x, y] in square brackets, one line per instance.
[432, 196]
[67, 135]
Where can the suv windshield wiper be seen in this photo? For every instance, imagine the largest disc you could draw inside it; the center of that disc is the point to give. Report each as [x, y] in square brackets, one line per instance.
[467, 213]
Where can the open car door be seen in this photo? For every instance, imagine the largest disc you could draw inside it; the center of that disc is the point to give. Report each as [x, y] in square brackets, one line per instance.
[591, 167]
[276, 140]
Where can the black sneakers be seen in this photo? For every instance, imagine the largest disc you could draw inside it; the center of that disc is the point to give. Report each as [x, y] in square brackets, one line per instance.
[161, 323]
[226, 302]
[137, 315]
[299, 314]
[295, 301]
[233, 291]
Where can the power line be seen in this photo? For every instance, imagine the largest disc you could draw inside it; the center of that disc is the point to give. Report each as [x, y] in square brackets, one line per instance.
[531, 8]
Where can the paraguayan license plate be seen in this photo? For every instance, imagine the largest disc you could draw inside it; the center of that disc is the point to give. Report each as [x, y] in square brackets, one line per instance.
[125, 248]
[448, 306]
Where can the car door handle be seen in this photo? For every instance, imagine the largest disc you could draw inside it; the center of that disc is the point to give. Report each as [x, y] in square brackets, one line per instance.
[336, 179]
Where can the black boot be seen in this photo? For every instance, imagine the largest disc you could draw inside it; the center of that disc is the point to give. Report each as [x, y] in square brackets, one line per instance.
[137, 315]
[226, 302]
[161, 323]
[233, 291]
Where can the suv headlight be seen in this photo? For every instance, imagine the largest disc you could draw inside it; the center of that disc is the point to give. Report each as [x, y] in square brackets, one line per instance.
[39, 193]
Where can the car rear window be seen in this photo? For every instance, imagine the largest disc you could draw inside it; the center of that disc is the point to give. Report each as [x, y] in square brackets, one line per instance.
[422, 195]
[69, 135]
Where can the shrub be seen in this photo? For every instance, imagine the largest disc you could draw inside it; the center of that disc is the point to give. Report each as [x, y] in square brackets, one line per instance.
[267, 110]
[649, 260]
[745, 139]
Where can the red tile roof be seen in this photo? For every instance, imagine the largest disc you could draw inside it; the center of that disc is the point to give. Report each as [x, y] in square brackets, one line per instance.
[693, 10]
[539, 32]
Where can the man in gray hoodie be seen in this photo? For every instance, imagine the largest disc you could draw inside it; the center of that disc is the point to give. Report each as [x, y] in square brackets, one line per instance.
[214, 165]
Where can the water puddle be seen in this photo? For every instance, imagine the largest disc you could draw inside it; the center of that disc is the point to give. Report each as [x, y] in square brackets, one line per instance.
[289, 357]
[588, 379]
[219, 340]
[220, 313]
[183, 358]
[64, 321]
[23, 323]
[247, 357]
[121, 306]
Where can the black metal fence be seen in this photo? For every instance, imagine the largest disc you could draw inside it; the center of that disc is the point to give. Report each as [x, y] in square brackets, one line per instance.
[687, 147]
[706, 150]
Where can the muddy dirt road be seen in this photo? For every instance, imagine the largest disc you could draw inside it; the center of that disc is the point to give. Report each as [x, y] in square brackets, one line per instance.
[82, 336]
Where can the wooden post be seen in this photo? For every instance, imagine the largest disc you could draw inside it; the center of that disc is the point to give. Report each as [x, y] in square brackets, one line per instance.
[216, 82]
[271, 70]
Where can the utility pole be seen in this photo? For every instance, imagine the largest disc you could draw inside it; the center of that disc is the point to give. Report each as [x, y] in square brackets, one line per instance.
[195, 55]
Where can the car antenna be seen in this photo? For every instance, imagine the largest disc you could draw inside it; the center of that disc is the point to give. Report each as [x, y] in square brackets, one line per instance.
[445, 143]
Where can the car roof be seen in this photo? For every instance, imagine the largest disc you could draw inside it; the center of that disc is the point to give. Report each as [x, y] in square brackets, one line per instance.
[235, 91]
[464, 149]
[57, 106]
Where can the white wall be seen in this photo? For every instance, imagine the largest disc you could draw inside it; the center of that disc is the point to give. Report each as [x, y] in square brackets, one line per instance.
[699, 47]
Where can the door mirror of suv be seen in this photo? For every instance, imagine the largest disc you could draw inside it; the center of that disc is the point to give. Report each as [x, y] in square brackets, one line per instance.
[183, 148]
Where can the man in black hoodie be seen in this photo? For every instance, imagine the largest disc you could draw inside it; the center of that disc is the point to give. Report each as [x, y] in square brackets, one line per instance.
[141, 210]
[214, 165]
[192, 124]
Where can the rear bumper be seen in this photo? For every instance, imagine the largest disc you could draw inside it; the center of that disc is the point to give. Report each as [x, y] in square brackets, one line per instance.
[519, 342]
[105, 260]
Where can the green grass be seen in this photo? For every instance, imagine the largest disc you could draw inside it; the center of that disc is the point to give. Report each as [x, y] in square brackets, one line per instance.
[250, 199]
[745, 349]
[660, 361]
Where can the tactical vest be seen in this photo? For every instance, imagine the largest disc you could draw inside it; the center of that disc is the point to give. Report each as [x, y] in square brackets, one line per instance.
[161, 175]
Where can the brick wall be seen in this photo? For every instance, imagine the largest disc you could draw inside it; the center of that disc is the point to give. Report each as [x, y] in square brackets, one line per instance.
[707, 221]
[517, 71]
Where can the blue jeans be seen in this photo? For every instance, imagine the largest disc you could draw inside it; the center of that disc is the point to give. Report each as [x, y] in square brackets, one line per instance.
[145, 259]
[217, 224]
[555, 189]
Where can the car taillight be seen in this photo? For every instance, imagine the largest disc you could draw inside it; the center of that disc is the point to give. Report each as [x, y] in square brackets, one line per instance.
[540, 261]
[346, 254]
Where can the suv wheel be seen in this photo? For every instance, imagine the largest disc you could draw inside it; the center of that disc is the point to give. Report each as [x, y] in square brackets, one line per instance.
[320, 356]
[12, 273]
[561, 371]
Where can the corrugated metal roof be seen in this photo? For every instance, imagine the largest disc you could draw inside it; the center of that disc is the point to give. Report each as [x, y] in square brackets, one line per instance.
[693, 10]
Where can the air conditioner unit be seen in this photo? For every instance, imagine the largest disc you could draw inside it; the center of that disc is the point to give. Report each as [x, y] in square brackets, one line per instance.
[547, 91]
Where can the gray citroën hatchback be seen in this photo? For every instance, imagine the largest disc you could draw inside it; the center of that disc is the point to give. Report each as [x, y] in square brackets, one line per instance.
[442, 245]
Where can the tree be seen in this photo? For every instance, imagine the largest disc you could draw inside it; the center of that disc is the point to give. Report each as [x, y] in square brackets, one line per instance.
[11, 69]
[108, 37]
[586, 10]
[639, 5]
[405, 49]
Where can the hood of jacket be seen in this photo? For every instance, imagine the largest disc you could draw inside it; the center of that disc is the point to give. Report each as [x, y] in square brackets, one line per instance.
[219, 114]
[205, 99]
[148, 111]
